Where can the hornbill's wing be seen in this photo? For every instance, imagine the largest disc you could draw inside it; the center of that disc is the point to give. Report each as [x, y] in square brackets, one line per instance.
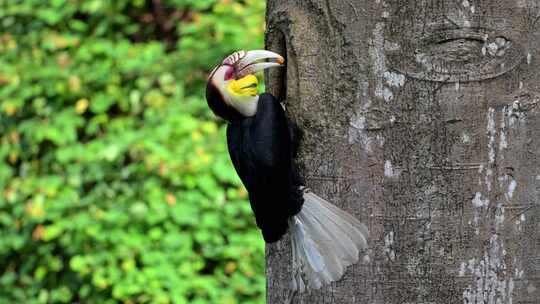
[260, 149]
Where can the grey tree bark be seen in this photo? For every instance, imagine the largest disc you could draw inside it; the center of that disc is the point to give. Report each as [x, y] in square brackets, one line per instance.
[421, 118]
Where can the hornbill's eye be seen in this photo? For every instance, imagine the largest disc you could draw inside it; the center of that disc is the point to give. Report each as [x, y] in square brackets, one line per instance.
[229, 74]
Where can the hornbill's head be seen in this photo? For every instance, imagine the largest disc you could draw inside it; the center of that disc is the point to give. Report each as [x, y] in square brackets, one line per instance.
[231, 91]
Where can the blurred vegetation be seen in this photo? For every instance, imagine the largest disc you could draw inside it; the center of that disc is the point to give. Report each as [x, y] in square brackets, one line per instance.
[115, 184]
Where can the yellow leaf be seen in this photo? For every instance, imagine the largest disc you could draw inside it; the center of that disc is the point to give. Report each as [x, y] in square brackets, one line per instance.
[163, 168]
[206, 159]
[98, 214]
[230, 267]
[242, 192]
[38, 233]
[13, 157]
[10, 109]
[8, 42]
[4, 79]
[34, 210]
[209, 127]
[63, 59]
[171, 199]
[196, 135]
[9, 194]
[14, 136]
[11, 44]
[199, 151]
[74, 83]
[81, 106]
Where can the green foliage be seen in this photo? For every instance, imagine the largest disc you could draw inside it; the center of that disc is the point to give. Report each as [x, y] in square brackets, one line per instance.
[115, 184]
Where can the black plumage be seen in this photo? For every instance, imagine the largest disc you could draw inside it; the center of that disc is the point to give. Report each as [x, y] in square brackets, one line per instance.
[261, 149]
[217, 104]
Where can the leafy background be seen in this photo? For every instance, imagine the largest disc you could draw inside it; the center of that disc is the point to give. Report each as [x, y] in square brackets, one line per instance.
[115, 184]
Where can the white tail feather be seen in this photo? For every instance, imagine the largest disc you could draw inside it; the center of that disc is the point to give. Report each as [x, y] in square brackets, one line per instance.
[325, 240]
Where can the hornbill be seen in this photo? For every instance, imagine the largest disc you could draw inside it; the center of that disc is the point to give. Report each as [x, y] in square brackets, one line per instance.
[261, 143]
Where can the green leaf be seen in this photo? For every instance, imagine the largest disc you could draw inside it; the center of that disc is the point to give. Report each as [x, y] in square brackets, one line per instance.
[52, 232]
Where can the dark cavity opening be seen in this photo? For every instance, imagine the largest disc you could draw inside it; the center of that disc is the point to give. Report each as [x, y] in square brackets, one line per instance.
[276, 78]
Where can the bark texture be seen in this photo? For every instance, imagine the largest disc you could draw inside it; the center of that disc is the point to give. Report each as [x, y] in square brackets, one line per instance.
[421, 118]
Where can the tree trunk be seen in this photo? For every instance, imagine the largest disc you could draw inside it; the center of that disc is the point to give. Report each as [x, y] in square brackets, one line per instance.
[421, 118]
